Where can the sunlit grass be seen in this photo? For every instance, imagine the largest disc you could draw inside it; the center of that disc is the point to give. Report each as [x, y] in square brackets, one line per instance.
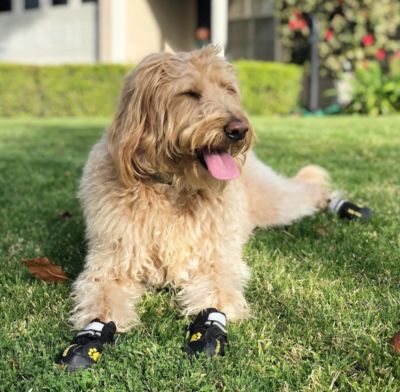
[324, 293]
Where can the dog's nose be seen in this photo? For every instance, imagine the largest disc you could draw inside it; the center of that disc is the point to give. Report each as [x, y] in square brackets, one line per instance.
[236, 129]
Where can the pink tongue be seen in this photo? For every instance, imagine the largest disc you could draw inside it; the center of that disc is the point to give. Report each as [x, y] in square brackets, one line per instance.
[221, 165]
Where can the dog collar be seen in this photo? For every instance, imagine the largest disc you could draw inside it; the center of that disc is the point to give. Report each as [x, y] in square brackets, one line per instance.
[158, 178]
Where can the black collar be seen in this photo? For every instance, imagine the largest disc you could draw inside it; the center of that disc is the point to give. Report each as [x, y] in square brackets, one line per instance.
[157, 177]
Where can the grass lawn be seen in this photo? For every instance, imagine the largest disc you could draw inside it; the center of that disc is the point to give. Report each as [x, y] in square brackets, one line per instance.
[325, 294]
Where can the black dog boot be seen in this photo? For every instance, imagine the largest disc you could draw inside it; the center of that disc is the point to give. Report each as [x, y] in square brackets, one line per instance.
[87, 346]
[347, 210]
[207, 334]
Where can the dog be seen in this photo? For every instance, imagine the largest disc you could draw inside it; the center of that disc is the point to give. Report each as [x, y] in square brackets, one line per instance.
[172, 192]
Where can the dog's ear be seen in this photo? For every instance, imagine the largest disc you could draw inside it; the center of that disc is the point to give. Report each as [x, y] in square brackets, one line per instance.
[135, 133]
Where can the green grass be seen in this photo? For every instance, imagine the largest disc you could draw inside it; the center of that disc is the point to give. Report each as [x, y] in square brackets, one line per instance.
[325, 294]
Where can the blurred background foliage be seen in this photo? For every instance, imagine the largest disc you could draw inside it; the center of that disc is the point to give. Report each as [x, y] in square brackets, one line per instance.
[350, 31]
[359, 47]
[360, 38]
[87, 90]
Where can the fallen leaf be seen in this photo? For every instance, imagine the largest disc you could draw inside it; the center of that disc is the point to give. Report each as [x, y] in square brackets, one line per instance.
[395, 342]
[43, 269]
[66, 215]
[321, 230]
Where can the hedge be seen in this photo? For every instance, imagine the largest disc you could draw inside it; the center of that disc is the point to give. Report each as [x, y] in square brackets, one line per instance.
[75, 90]
[269, 88]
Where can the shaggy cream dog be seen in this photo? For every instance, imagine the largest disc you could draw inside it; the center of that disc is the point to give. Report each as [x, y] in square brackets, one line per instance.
[172, 192]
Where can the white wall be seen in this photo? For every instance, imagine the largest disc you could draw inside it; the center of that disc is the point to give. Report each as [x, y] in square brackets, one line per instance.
[50, 34]
[159, 25]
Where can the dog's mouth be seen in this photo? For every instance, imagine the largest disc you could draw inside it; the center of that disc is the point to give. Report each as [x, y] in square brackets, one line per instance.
[219, 163]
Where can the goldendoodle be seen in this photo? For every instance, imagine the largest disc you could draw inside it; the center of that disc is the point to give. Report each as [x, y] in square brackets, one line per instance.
[172, 192]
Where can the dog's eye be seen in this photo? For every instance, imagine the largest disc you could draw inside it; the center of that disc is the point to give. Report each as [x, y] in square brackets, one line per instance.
[231, 90]
[192, 94]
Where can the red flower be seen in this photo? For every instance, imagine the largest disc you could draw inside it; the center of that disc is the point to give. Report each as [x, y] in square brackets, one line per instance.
[297, 22]
[368, 40]
[302, 24]
[293, 24]
[329, 35]
[380, 54]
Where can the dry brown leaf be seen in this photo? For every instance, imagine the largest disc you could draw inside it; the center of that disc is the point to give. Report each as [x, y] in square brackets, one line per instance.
[43, 269]
[321, 230]
[395, 342]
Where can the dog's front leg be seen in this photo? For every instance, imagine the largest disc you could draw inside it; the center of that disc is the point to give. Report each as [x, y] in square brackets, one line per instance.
[214, 296]
[104, 299]
[105, 296]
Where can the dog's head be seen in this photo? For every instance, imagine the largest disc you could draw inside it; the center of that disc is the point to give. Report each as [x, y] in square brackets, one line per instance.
[180, 120]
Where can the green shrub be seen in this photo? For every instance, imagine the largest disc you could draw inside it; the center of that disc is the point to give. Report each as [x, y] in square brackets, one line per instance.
[269, 88]
[376, 90]
[76, 90]
[18, 90]
[68, 90]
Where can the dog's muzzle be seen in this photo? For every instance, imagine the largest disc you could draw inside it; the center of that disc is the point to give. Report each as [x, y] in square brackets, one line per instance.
[236, 129]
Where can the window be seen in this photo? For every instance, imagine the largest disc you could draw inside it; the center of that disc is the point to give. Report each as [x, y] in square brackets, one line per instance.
[252, 38]
[31, 4]
[251, 29]
[59, 2]
[240, 9]
[5, 5]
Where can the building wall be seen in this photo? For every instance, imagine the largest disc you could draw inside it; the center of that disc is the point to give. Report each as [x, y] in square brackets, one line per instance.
[105, 9]
[132, 29]
[162, 25]
[50, 34]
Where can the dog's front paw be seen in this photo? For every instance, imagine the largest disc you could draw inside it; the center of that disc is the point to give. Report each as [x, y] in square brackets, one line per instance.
[86, 348]
[207, 334]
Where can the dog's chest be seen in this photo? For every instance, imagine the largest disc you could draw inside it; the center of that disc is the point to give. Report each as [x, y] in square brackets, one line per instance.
[178, 236]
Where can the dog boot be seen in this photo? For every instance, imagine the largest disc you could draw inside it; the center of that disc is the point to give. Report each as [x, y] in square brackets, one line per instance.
[347, 210]
[87, 346]
[207, 334]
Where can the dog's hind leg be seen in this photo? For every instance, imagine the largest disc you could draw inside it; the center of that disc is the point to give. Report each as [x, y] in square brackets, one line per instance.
[275, 200]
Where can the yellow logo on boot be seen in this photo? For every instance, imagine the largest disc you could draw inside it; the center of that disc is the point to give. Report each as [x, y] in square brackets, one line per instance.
[94, 354]
[196, 336]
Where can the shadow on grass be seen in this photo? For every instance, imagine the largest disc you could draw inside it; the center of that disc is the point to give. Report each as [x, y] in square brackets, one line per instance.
[336, 248]
[39, 175]
[68, 247]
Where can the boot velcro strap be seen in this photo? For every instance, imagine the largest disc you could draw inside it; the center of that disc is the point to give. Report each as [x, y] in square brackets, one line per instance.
[218, 319]
[94, 328]
[335, 204]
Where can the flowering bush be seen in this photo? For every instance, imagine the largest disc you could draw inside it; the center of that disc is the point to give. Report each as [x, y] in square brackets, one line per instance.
[350, 31]
[376, 87]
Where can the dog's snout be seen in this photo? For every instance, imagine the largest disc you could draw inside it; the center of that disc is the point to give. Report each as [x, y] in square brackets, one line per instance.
[236, 129]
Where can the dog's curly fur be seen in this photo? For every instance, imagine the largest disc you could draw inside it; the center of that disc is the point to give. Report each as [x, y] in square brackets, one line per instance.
[154, 214]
